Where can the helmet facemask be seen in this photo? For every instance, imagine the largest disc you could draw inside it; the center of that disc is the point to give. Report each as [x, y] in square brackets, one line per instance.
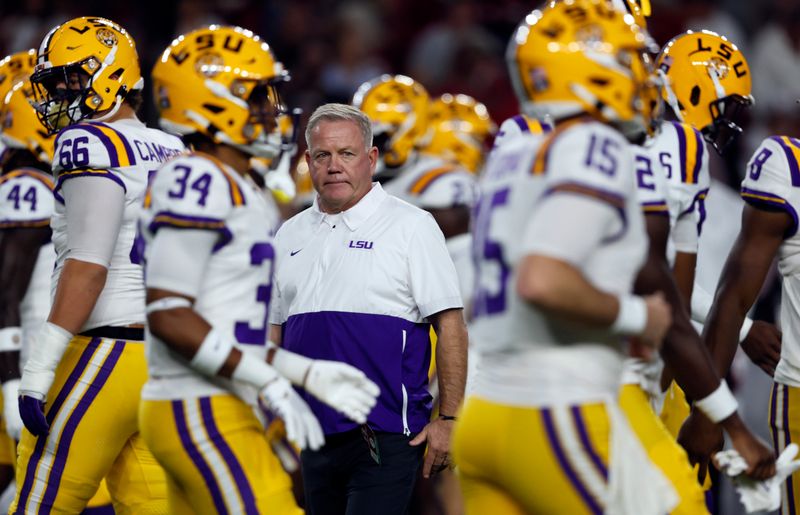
[723, 129]
[61, 96]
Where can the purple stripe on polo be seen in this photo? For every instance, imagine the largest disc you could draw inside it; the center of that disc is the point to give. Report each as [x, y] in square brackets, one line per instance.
[41, 441]
[580, 425]
[225, 234]
[373, 344]
[787, 440]
[794, 169]
[698, 157]
[566, 466]
[521, 122]
[113, 157]
[773, 205]
[239, 477]
[88, 173]
[682, 148]
[197, 457]
[128, 148]
[65, 440]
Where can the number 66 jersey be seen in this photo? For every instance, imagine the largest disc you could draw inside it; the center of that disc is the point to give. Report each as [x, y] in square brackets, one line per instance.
[199, 192]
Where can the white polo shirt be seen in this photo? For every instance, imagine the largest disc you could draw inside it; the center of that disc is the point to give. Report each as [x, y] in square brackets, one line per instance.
[358, 287]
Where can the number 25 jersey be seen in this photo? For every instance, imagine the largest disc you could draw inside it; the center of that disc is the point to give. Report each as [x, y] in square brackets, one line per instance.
[199, 192]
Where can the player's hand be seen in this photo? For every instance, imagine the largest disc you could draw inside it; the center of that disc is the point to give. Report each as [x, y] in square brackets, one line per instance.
[763, 346]
[701, 438]
[11, 409]
[342, 387]
[302, 427]
[437, 434]
[759, 456]
[659, 318]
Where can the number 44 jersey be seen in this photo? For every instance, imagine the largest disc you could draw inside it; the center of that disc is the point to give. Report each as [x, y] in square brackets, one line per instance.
[198, 192]
[579, 160]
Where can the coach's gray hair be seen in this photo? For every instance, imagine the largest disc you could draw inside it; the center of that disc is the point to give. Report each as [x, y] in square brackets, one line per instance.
[340, 112]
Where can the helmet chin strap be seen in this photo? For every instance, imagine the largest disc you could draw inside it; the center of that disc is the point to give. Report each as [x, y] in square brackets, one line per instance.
[714, 74]
[672, 100]
[117, 104]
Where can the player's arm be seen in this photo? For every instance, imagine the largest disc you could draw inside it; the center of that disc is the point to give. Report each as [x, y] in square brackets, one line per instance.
[684, 270]
[549, 276]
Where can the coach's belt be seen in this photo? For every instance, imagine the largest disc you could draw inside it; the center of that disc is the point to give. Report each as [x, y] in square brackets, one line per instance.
[115, 333]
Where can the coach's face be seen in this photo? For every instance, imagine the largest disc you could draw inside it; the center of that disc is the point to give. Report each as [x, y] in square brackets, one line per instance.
[341, 166]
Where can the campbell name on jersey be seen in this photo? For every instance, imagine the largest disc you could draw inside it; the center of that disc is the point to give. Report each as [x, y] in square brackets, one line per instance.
[772, 182]
[198, 192]
[126, 152]
[586, 158]
[26, 200]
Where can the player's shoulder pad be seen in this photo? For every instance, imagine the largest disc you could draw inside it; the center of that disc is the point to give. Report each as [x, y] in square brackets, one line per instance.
[91, 145]
[194, 186]
[518, 125]
[690, 149]
[26, 199]
[444, 185]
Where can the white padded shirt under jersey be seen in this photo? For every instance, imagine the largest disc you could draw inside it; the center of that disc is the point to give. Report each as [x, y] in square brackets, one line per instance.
[196, 192]
[772, 182]
[127, 153]
[26, 200]
[526, 355]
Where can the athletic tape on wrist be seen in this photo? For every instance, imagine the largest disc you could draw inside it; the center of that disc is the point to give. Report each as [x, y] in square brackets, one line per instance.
[254, 371]
[10, 339]
[212, 354]
[719, 404]
[632, 315]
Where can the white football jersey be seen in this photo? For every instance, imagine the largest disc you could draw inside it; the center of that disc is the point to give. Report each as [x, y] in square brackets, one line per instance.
[430, 182]
[126, 152]
[772, 182]
[679, 152]
[584, 158]
[26, 200]
[199, 192]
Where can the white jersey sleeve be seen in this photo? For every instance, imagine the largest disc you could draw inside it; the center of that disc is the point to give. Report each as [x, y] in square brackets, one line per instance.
[518, 125]
[91, 150]
[444, 187]
[771, 177]
[26, 199]
[193, 192]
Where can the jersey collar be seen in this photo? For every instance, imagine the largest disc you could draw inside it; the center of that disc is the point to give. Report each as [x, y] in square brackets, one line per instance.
[359, 213]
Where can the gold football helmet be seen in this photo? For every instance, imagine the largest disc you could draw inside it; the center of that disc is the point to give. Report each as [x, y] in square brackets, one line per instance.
[462, 128]
[581, 56]
[20, 123]
[222, 82]
[706, 82]
[398, 108]
[15, 68]
[639, 9]
[84, 67]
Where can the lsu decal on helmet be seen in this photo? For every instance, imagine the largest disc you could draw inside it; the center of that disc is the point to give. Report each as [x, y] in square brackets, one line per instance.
[707, 84]
[20, 124]
[581, 56]
[222, 82]
[15, 68]
[398, 107]
[462, 129]
[85, 67]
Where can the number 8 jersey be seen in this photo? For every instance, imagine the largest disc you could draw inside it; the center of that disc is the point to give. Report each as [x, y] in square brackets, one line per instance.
[199, 192]
[125, 152]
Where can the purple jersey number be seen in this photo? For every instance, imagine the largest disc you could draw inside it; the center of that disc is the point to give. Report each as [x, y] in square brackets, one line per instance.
[486, 251]
[260, 255]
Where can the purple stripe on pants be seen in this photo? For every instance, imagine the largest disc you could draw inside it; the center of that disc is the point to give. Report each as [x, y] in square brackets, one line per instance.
[41, 441]
[62, 451]
[566, 466]
[197, 458]
[787, 440]
[580, 425]
[235, 468]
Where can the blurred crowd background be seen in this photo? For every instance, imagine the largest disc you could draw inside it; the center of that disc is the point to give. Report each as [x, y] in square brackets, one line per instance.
[454, 46]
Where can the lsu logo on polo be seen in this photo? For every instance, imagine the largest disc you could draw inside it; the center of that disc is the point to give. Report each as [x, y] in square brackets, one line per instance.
[360, 244]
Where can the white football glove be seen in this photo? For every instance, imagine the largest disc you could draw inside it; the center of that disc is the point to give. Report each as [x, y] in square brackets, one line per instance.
[302, 427]
[758, 495]
[11, 409]
[46, 350]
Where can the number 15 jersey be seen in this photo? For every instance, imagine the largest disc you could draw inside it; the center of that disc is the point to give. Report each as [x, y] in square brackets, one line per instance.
[201, 193]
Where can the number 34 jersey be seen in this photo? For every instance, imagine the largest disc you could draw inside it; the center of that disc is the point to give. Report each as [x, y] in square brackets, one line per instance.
[584, 159]
[126, 152]
[199, 192]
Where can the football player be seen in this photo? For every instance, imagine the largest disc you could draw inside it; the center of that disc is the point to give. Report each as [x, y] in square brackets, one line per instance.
[26, 252]
[208, 245]
[82, 382]
[553, 299]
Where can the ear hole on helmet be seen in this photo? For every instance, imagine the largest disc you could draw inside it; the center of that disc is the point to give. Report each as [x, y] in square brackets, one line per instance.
[694, 98]
[599, 81]
[213, 108]
[117, 74]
